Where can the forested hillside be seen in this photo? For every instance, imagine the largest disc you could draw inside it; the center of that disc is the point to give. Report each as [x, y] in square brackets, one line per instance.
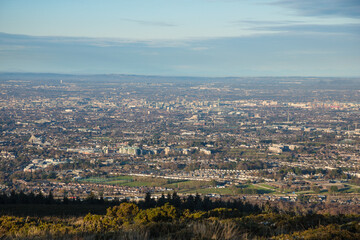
[173, 217]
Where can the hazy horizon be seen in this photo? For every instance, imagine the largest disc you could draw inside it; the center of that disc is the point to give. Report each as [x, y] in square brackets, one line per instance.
[203, 38]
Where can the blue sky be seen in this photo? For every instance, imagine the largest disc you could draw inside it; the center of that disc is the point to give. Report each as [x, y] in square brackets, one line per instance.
[182, 37]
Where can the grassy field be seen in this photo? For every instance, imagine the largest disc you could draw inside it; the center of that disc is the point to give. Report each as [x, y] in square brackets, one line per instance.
[107, 180]
[183, 186]
[129, 181]
[350, 188]
[189, 185]
[135, 181]
[221, 191]
[202, 187]
[266, 186]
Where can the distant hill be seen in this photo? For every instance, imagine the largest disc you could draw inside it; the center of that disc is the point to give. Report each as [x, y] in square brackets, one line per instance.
[297, 81]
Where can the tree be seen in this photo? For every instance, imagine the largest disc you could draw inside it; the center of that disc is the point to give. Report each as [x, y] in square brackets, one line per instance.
[161, 201]
[175, 200]
[50, 198]
[333, 189]
[149, 202]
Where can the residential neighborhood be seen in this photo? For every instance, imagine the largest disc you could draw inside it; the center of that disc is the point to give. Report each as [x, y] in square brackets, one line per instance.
[123, 139]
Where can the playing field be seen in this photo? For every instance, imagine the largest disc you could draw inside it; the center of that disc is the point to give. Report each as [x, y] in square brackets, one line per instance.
[135, 181]
[181, 186]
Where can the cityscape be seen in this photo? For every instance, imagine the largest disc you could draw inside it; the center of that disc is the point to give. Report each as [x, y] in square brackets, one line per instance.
[181, 120]
[119, 138]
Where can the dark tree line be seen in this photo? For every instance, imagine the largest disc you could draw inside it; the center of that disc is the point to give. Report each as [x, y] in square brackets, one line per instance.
[197, 203]
[30, 198]
[193, 203]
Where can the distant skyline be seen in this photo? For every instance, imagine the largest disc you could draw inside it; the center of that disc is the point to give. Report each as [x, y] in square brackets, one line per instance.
[182, 37]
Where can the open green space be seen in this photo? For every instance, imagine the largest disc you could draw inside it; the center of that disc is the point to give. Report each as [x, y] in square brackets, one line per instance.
[349, 188]
[136, 181]
[183, 186]
[221, 191]
[254, 189]
[109, 180]
[188, 184]
[266, 186]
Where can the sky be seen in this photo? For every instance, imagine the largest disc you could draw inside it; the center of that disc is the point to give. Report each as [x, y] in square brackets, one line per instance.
[214, 38]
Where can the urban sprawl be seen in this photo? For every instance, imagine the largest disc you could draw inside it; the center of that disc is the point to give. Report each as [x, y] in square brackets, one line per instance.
[110, 136]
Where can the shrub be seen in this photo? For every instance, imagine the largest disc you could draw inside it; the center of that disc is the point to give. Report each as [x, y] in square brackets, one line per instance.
[124, 213]
[164, 213]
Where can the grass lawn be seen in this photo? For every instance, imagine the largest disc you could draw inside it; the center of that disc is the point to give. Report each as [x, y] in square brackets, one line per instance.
[259, 189]
[350, 189]
[107, 179]
[181, 186]
[266, 186]
[188, 184]
[305, 192]
[222, 191]
[140, 184]
[132, 181]
[118, 182]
